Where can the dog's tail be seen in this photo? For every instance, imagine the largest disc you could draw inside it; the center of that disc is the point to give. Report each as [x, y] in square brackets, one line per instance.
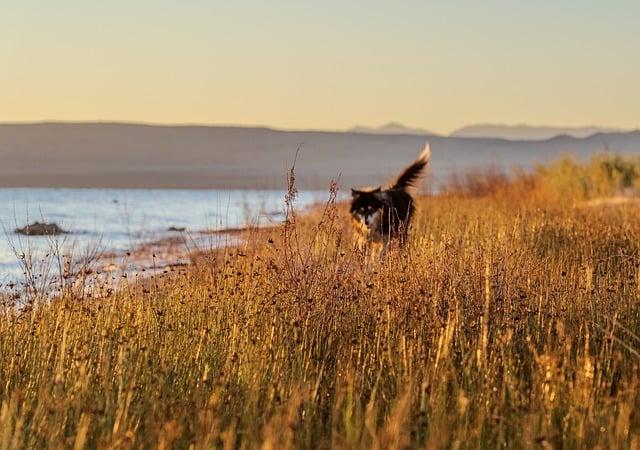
[412, 173]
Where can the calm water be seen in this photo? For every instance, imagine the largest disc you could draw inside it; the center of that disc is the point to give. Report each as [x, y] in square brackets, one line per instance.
[122, 219]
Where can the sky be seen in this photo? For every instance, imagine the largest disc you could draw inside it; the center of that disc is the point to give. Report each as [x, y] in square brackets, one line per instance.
[327, 64]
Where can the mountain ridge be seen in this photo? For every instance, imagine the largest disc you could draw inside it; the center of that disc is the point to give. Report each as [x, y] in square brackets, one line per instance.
[389, 128]
[100, 155]
[530, 132]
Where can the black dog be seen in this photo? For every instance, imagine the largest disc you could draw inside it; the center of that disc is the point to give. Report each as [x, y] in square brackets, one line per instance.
[379, 216]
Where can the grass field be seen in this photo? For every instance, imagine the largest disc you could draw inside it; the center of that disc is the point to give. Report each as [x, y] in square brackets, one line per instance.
[512, 320]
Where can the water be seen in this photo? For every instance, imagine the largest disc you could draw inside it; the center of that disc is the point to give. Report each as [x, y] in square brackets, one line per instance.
[118, 220]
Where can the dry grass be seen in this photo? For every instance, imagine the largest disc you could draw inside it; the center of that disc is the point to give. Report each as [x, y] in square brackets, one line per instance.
[510, 322]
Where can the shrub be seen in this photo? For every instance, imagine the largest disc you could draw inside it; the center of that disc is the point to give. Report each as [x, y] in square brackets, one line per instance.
[604, 175]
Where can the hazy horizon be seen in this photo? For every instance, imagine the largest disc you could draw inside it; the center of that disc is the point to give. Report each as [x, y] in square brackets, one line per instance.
[329, 66]
[355, 128]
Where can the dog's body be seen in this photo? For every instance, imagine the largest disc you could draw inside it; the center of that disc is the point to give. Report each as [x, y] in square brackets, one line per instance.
[382, 215]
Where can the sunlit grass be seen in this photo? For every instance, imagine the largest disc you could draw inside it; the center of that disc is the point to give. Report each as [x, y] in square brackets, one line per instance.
[510, 321]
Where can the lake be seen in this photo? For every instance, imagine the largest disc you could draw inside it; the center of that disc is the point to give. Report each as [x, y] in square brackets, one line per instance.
[118, 220]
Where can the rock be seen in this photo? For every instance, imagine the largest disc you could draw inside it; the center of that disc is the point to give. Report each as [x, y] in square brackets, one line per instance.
[180, 229]
[41, 229]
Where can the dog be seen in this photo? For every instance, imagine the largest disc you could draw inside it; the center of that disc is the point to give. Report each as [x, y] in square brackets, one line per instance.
[380, 216]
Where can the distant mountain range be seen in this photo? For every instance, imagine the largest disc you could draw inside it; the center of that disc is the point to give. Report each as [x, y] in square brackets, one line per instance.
[154, 156]
[389, 128]
[497, 131]
[527, 132]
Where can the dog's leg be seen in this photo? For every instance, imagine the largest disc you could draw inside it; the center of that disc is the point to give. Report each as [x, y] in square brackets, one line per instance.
[385, 246]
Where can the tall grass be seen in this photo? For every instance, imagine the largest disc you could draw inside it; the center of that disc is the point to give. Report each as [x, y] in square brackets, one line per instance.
[605, 174]
[510, 321]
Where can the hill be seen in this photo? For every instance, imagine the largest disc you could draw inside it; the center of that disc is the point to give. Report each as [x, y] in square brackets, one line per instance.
[389, 128]
[527, 132]
[150, 156]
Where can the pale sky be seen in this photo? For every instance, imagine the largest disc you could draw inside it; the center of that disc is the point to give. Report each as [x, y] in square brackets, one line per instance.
[326, 64]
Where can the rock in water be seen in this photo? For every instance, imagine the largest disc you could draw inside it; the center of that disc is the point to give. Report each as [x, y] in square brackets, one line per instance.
[40, 229]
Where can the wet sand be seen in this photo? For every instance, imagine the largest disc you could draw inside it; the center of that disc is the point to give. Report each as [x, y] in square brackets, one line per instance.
[108, 272]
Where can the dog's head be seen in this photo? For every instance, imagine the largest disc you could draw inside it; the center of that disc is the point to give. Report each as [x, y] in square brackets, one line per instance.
[366, 204]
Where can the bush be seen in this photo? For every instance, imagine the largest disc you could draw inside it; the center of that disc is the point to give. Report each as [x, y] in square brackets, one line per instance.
[603, 175]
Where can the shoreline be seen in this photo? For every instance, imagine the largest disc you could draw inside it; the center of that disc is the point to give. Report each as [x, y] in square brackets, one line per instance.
[106, 272]
[120, 231]
[174, 249]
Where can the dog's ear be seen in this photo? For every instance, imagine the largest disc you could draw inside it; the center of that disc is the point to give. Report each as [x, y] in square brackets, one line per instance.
[356, 193]
[381, 196]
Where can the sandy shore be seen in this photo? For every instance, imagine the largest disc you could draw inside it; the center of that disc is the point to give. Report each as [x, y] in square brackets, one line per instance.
[173, 251]
[107, 272]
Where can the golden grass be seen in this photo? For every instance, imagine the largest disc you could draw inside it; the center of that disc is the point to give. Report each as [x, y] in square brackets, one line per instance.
[509, 322]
